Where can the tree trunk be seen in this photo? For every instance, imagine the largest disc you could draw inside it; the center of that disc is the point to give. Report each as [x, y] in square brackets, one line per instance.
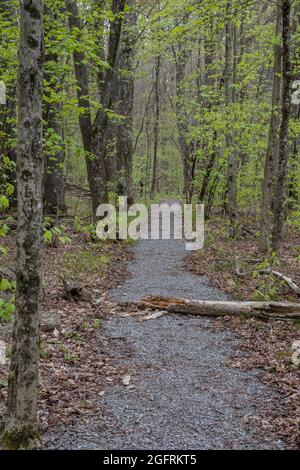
[273, 149]
[188, 159]
[148, 159]
[95, 135]
[54, 180]
[207, 102]
[125, 106]
[156, 128]
[102, 126]
[230, 73]
[284, 128]
[293, 186]
[85, 118]
[209, 168]
[21, 428]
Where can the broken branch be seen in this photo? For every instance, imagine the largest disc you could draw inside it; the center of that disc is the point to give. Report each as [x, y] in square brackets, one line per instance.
[269, 272]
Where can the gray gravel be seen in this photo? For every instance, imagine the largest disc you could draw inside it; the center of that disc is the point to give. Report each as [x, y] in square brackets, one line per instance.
[182, 394]
[158, 269]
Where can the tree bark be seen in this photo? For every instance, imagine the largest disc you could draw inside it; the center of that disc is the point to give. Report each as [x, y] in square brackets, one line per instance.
[54, 180]
[102, 125]
[273, 148]
[156, 128]
[209, 55]
[208, 170]
[95, 135]
[186, 148]
[85, 118]
[284, 128]
[125, 106]
[263, 310]
[230, 74]
[293, 186]
[21, 429]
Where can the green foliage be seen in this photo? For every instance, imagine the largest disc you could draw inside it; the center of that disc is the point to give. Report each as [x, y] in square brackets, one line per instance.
[7, 301]
[54, 234]
[268, 285]
[87, 261]
[89, 229]
[294, 218]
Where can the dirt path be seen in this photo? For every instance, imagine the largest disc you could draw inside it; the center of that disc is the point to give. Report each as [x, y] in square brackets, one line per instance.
[181, 393]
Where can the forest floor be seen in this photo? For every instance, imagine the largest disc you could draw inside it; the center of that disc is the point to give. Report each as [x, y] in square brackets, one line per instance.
[110, 378]
[219, 257]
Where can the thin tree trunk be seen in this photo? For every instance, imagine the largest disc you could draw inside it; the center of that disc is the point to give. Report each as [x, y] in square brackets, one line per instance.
[85, 118]
[156, 127]
[273, 147]
[101, 137]
[293, 192]
[208, 59]
[21, 430]
[209, 168]
[148, 158]
[284, 128]
[293, 187]
[125, 107]
[54, 180]
[188, 159]
[230, 73]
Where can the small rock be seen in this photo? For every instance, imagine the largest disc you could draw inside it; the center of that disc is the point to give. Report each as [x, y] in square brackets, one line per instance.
[2, 353]
[126, 380]
[154, 316]
[3, 383]
[49, 321]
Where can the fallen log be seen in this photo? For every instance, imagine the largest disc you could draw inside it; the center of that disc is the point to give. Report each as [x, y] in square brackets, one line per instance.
[262, 310]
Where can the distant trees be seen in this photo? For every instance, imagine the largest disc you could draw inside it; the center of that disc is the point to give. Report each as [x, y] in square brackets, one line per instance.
[21, 429]
[115, 90]
[231, 109]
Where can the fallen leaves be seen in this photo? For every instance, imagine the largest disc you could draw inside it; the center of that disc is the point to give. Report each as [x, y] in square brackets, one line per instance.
[265, 346]
[77, 364]
[217, 261]
[269, 347]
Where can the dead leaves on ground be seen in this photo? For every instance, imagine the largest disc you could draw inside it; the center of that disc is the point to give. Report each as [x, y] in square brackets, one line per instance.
[77, 364]
[268, 347]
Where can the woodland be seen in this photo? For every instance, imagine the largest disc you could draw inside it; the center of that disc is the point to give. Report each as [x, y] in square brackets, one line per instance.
[195, 101]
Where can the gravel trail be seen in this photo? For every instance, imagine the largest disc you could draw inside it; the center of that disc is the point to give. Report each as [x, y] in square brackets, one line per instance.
[182, 394]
